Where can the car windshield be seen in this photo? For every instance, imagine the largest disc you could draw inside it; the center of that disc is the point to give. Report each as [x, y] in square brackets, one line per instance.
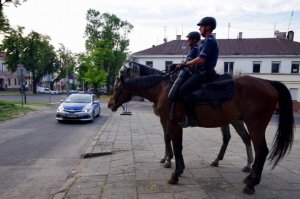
[78, 99]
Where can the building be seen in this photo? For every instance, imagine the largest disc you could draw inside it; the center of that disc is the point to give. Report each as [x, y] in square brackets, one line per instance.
[268, 58]
[10, 81]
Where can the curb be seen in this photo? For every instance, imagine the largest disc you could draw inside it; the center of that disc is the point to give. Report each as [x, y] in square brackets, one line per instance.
[98, 145]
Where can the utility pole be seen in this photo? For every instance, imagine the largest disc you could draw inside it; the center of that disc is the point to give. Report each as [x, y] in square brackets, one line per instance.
[290, 20]
[228, 29]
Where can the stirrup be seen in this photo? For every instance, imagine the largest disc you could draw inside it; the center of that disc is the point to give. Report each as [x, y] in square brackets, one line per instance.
[188, 122]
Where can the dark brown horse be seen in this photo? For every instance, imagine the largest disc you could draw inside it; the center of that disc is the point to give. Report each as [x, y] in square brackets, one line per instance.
[131, 70]
[254, 102]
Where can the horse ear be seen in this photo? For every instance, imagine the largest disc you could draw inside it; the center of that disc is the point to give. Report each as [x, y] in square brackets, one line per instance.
[130, 65]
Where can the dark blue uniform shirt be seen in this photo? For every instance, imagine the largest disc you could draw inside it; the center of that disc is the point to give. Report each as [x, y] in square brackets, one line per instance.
[194, 52]
[209, 50]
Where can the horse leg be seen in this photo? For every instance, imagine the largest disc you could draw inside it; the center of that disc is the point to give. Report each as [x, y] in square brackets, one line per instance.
[261, 151]
[166, 159]
[226, 137]
[176, 135]
[242, 132]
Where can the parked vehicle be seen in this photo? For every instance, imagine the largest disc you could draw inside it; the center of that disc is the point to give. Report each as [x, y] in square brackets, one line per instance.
[42, 90]
[82, 107]
[72, 91]
[45, 90]
[101, 91]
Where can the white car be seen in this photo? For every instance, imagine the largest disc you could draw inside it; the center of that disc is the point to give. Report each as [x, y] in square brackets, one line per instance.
[81, 107]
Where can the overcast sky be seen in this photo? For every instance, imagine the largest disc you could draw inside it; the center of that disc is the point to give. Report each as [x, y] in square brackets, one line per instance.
[64, 20]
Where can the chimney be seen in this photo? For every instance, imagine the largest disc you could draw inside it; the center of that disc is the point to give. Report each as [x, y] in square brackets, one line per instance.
[290, 35]
[240, 35]
[178, 37]
[280, 35]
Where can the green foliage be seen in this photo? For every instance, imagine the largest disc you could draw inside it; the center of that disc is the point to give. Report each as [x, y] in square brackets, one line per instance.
[106, 47]
[66, 63]
[4, 23]
[33, 51]
[13, 45]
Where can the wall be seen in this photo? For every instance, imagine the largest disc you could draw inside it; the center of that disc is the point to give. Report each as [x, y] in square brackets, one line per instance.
[245, 64]
[159, 60]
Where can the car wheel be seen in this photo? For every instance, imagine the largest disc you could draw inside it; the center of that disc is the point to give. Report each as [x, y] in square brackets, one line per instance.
[98, 112]
[93, 116]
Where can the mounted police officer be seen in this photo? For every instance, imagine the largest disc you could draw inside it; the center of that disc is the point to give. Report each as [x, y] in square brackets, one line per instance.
[203, 67]
[193, 39]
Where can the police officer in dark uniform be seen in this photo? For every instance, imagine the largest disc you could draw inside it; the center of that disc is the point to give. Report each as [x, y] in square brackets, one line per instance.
[193, 39]
[203, 67]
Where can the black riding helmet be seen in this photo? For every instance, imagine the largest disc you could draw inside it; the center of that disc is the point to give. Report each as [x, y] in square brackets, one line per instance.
[194, 35]
[208, 21]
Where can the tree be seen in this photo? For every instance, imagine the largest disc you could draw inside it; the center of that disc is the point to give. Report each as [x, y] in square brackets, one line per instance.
[66, 64]
[4, 23]
[106, 46]
[13, 45]
[33, 51]
[39, 57]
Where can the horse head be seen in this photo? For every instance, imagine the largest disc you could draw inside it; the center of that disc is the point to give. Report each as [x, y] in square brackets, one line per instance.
[129, 71]
[120, 95]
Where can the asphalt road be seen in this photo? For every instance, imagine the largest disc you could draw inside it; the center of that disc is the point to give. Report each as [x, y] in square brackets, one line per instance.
[38, 154]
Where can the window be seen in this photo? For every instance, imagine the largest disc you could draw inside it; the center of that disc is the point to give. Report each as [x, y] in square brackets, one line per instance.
[16, 82]
[2, 67]
[149, 63]
[256, 67]
[295, 67]
[8, 81]
[167, 65]
[228, 67]
[275, 67]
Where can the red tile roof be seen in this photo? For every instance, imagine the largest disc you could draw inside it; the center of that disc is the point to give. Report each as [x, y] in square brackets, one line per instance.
[256, 46]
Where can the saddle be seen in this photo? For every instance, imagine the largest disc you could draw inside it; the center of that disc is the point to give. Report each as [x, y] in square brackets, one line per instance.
[216, 92]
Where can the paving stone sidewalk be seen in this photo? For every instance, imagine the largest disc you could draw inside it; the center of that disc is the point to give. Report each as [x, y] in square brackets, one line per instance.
[129, 167]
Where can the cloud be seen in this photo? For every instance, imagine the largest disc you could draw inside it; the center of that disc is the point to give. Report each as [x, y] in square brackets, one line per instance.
[64, 20]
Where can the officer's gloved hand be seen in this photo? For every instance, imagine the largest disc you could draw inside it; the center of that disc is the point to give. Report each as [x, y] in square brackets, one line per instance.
[181, 66]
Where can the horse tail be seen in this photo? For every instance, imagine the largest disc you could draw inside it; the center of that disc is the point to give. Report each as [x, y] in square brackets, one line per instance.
[286, 125]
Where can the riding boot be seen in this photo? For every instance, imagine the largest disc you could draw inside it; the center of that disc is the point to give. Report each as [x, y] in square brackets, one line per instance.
[190, 119]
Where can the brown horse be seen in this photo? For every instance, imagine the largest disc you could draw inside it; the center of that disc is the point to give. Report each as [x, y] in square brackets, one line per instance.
[254, 102]
[131, 70]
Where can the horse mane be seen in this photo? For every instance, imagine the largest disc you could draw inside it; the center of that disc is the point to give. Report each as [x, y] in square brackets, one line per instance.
[145, 70]
[145, 81]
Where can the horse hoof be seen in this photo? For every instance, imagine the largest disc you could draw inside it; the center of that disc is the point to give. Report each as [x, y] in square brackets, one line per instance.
[176, 175]
[248, 190]
[214, 164]
[247, 180]
[173, 180]
[168, 164]
[163, 160]
[246, 169]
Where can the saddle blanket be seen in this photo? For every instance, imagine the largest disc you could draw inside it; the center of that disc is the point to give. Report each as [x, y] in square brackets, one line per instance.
[216, 92]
